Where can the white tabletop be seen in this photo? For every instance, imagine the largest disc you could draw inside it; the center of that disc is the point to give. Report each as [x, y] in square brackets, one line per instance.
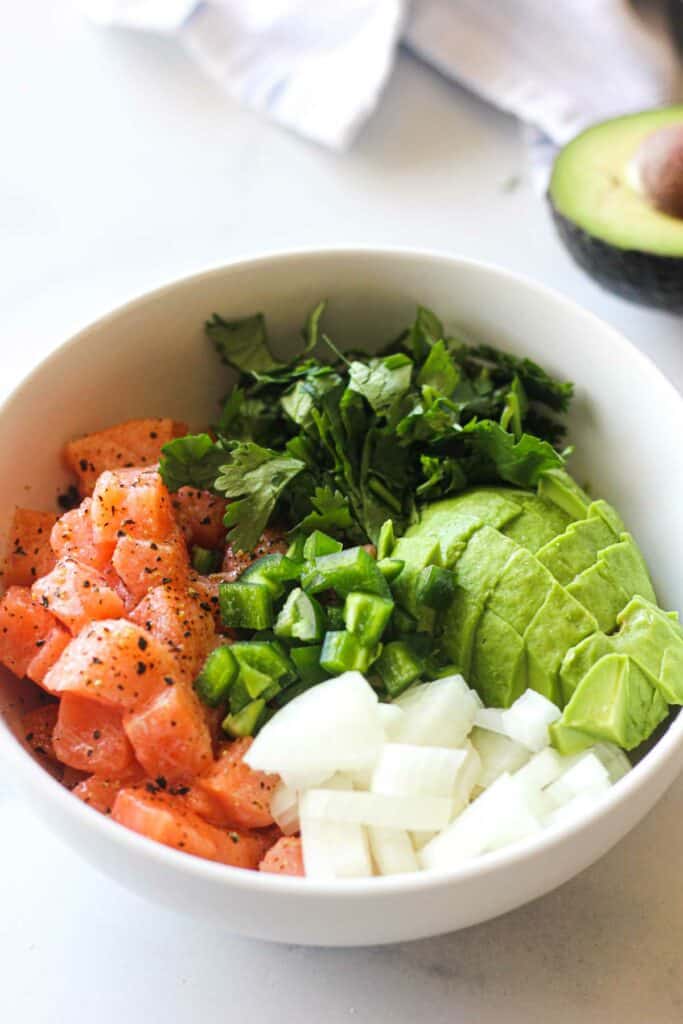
[123, 167]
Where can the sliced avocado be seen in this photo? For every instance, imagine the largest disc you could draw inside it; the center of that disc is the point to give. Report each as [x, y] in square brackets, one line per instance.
[579, 659]
[453, 533]
[615, 702]
[560, 623]
[520, 590]
[498, 662]
[416, 552]
[567, 740]
[576, 549]
[616, 194]
[626, 564]
[655, 643]
[475, 575]
[536, 526]
[557, 486]
[494, 506]
[599, 593]
[601, 509]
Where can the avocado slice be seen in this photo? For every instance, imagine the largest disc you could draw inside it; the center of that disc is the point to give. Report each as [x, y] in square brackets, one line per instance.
[494, 506]
[558, 487]
[536, 526]
[560, 623]
[654, 641]
[615, 702]
[521, 589]
[498, 661]
[579, 659]
[576, 549]
[475, 575]
[416, 553]
[599, 593]
[626, 564]
[616, 196]
[452, 531]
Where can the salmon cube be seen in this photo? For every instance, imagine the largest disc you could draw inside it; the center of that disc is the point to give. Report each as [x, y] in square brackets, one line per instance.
[72, 536]
[133, 502]
[143, 564]
[176, 617]
[135, 443]
[90, 736]
[284, 858]
[242, 794]
[100, 793]
[161, 816]
[77, 594]
[29, 553]
[38, 728]
[48, 652]
[24, 629]
[114, 662]
[199, 514]
[170, 735]
[271, 542]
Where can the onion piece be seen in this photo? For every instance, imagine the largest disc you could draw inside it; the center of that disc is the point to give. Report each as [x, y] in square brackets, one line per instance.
[378, 809]
[587, 776]
[527, 720]
[332, 727]
[284, 806]
[406, 769]
[333, 849]
[498, 754]
[437, 714]
[392, 851]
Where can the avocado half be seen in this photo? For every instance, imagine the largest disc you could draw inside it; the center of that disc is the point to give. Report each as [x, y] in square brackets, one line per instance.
[616, 195]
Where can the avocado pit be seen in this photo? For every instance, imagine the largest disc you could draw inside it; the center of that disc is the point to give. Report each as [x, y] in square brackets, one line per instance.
[659, 169]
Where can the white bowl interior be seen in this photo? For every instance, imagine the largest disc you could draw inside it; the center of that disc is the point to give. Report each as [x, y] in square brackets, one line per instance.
[151, 358]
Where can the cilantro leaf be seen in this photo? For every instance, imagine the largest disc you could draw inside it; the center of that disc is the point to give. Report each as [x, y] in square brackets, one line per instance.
[426, 330]
[190, 461]
[242, 344]
[381, 381]
[539, 386]
[257, 477]
[331, 513]
[311, 329]
[519, 462]
[439, 371]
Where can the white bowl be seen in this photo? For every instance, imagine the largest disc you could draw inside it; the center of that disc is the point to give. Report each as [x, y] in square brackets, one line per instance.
[150, 358]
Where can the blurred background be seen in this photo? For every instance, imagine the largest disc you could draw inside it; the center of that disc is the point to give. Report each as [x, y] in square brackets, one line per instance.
[146, 139]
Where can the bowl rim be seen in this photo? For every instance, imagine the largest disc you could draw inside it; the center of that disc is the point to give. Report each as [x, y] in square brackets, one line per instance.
[667, 749]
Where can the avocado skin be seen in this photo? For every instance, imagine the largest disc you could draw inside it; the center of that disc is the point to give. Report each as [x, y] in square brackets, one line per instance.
[642, 277]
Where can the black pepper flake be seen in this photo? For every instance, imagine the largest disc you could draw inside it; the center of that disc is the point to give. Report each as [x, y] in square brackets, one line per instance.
[160, 781]
[141, 668]
[154, 546]
[165, 579]
[40, 643]
[205, 521]
[179, 790]
[234, 837]
[151, 788]
[44, 601]
[97, 734]
[142, 643]
[83, 463]
[153, 434]
[169, 681]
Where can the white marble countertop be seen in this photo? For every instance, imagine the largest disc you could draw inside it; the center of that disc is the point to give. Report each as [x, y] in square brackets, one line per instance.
[122, 167]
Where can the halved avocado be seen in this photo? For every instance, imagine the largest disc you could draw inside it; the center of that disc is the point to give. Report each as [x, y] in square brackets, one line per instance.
[616, 194]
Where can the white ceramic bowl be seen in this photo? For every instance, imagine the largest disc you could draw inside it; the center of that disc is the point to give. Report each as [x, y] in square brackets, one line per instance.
[150, 358]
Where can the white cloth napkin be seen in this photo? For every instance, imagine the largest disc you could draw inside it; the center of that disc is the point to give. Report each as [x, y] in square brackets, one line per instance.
[318, 66]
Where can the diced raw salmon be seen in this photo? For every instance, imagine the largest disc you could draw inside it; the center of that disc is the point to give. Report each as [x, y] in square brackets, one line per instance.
[174, 615]
[90, 736]
[24, 629]
[135, 443]
[242, 794]
[272, 541]
[206, 588]
[77, 594]
[143, 564]
[29, 554]
[284, 858]
[115, 662]
[163, 817]
[199, 514]
[49, 650]
[38, 728]
[133, 502]
[72, 535]
[170, 735]
[100, 793]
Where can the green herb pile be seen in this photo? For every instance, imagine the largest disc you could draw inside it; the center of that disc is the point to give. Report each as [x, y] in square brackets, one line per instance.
[345, 442]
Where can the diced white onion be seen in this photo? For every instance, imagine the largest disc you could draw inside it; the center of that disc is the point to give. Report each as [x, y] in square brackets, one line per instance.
[544, 768]
[491, 719]
[588, 776]
[614, 759]
[391, 715]
[528, 719]
[576, 808]
[466, 779]
[498, 754]
[406, 769]
[284, 806]
[392, 851]
[377, 809]
[437, 714]
[334, 726]
[333, 849]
